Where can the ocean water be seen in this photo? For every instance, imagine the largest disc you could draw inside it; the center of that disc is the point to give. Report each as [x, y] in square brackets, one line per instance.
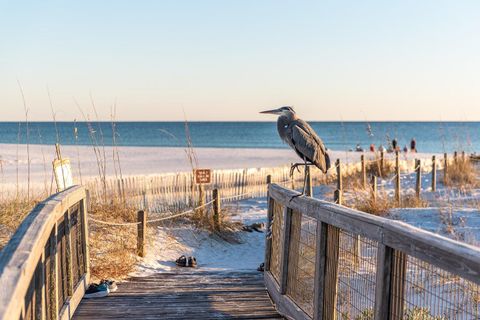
[430, 136]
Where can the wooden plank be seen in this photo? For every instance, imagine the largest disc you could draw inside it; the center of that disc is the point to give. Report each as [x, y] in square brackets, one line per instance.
[202, 295]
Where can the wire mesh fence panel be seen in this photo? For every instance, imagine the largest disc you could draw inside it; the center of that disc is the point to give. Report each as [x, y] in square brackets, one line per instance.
[277, 226]
[357, 259]
[301, 261]
[430, 293]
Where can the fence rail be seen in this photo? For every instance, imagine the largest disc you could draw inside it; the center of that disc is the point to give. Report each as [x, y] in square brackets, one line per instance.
[316, 269]
[44, 269]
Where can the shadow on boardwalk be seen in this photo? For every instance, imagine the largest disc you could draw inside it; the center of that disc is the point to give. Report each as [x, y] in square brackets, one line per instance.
[185, 294]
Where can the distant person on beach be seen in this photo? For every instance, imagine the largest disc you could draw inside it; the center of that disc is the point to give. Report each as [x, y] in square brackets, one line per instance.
[394, 144]
[372, 147]
[381, 148]
[405, 149]
[358, 148]
[413, 145]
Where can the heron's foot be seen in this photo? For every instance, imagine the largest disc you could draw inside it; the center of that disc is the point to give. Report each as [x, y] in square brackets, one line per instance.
[293, 167]
[295, 196]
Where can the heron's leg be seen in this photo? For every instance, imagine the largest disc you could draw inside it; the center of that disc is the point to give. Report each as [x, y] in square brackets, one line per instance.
[304, 181]
[296, 165]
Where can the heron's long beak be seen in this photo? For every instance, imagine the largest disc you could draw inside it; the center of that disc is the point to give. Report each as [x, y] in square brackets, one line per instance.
[273, 111]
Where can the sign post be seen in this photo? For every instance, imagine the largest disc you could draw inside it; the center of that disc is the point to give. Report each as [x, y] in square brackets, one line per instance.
[201, 177]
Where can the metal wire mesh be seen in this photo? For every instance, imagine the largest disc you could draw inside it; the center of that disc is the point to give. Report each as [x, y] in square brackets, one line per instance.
[350, 275]
[277, 226]
[301, 261]
[424, 291]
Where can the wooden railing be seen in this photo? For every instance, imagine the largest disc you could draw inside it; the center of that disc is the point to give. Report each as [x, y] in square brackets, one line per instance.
[44, 269]
[326, 261]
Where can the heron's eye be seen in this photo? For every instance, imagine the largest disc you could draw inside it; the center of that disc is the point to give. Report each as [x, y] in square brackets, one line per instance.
[285, 126]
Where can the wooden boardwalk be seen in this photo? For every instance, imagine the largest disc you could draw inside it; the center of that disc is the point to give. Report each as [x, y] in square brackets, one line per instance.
[184, 294]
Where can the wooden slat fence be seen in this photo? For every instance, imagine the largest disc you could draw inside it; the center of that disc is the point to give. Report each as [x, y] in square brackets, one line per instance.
[44, 269]
[316, 269]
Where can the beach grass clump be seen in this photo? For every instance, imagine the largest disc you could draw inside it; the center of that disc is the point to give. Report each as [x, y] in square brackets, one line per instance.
[113, 249]
[12, 213]
[375, 168]
[462, 173]
[383, 203]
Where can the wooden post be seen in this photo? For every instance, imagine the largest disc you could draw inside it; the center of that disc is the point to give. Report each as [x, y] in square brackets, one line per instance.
[268, 238]
[364, 171]
[445, 168]
[382, 163]
[383, 282]
[463, 156]
[418, 185]
[320, 267]
[309, 187]
[434, 173]
[285, 246]
[397, 284]
[397, 178]
[455, 157]
[374, 188]
[338, 195]
[68, 245]
[331, 273]
[201, 198]
[216, 209]
[145, 204]
[141, 233]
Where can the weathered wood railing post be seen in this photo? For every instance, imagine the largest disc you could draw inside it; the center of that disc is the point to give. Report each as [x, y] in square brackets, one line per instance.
[397, 178]
[309, 187]
[364, 171]
[434, 173]
[285, 248]
[455, 157]
[397, 285]
[320, 268]
[338, 194]
[445, 168]
[390, 283]
[418, 184]
[331, 273]
[216, 209]
[141, 233]
[374, 188]
[268, 238]
[383, 282]
[463, 156]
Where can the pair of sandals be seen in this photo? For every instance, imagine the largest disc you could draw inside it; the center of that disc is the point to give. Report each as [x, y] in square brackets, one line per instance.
[184, 261]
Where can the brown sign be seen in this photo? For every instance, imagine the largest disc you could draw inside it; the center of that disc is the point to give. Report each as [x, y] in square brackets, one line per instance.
[203, 176]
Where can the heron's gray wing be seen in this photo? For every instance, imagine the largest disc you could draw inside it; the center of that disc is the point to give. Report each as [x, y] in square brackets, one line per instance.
[309, 144]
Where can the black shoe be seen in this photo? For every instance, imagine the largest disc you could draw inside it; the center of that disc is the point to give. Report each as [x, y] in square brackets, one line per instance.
[182, 261]
[112, 286]
[96, 291]
[192, 262]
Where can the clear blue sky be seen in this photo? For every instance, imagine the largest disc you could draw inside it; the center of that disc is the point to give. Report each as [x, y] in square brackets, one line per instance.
[226, 60]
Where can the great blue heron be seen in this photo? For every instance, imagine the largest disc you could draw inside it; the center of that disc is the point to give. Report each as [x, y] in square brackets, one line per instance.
[302, 138]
